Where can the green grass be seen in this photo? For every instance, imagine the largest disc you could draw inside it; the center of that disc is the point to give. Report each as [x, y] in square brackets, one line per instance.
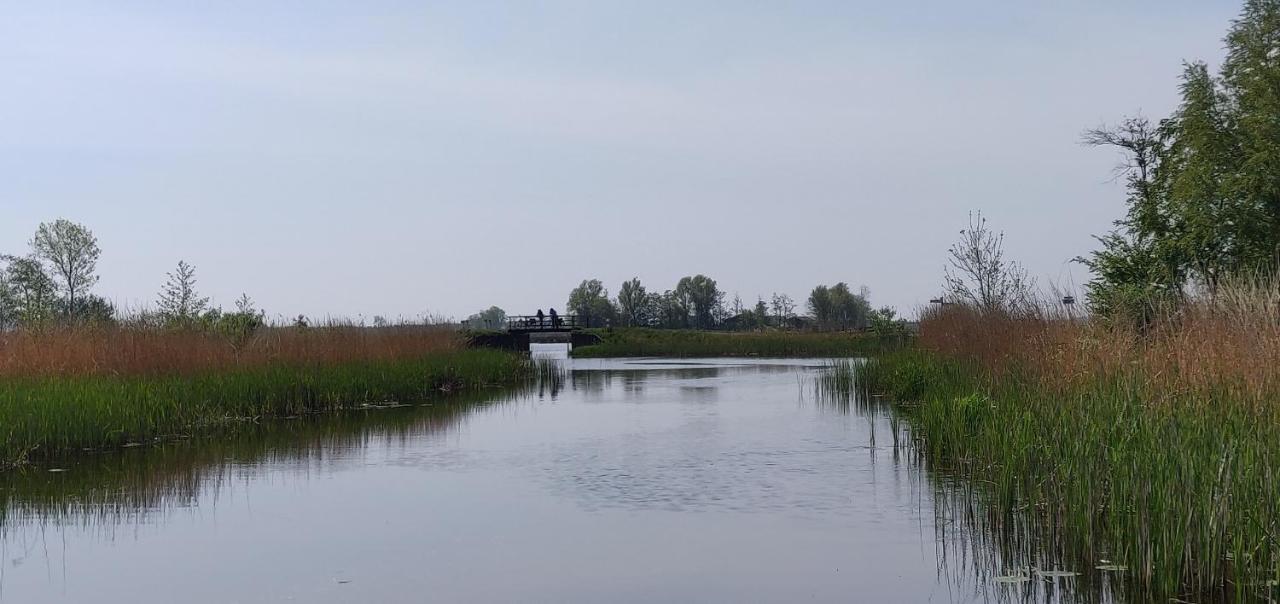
[641, 342]
[1182, 492]
[47, 416]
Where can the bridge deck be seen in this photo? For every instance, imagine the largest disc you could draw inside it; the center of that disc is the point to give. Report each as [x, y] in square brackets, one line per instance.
[532, 324]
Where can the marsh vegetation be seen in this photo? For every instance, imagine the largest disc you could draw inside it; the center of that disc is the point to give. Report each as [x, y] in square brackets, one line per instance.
[82, 388]
[642, 342]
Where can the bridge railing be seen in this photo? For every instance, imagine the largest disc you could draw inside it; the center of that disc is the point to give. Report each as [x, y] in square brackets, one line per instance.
[533, 323]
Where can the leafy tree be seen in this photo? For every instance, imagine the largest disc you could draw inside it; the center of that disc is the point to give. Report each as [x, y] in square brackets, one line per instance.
[1131, 280]
[1203, 187]
[490, 318]
[884, 322]
[1251, 78]
[90, 309]
[179, 304]
[635, 305]
[701, 298]
[31, 295]
[8, 312]
[979, 274]
[237, 327]
[837, 307]
[849, 310]
[72, 251]
[1211, 233]
[820, 306]
[590, 301]
[1137, 267]
[681, 306]
[1142, 149]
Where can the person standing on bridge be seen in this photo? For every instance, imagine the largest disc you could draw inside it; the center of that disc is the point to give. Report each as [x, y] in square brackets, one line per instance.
[555, 319]
[541, 317]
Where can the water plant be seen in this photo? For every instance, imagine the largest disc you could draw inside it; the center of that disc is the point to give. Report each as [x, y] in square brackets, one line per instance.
[1090, 447]
[75, 389]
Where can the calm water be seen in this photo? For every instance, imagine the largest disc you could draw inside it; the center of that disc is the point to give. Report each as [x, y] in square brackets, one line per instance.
[632, 481]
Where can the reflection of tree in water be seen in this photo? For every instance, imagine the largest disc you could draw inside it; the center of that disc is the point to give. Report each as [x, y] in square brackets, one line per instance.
[591, 382]
[105, 489]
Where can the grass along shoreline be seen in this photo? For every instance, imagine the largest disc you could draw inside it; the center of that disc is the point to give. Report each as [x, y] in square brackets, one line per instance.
[644, 342]
[1089, 446]
[111, 389]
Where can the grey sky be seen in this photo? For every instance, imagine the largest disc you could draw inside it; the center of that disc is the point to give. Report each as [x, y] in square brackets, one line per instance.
[394, 158]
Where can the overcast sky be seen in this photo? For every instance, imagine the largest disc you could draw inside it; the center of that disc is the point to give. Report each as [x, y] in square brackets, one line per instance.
[396, 158]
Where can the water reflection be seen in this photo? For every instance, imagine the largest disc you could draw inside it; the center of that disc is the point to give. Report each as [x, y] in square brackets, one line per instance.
[619, 480]
[109, 488]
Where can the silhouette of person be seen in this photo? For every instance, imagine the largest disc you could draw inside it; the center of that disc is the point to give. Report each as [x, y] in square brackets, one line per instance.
[541, 317]
[555, 319]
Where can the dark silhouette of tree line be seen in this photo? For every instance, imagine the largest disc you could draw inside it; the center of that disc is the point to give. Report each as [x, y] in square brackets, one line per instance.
[697, 302]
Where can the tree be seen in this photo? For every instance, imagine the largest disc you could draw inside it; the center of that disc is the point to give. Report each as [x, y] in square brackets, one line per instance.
[848, 310]
[761, 312]
[672, 310]
[179, 304]
[1203, 187]
[634, 303]
[1251, 78]
[701, 298]
[820, 306]
[30, 291]
[491, 318]
[837, 307]
[72, 251]
[783, 307]
[240, 326]
[884, 322]
[590, 301]
[1142, 149]
[1215, 232]
[1131, 280]
[90, 309]
[979, 274]
[8, 312]
[1136, 267]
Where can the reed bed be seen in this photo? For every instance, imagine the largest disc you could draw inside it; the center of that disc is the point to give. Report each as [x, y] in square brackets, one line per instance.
[641, 342]
[81, 351]
[71, 389]
[1153, 455]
